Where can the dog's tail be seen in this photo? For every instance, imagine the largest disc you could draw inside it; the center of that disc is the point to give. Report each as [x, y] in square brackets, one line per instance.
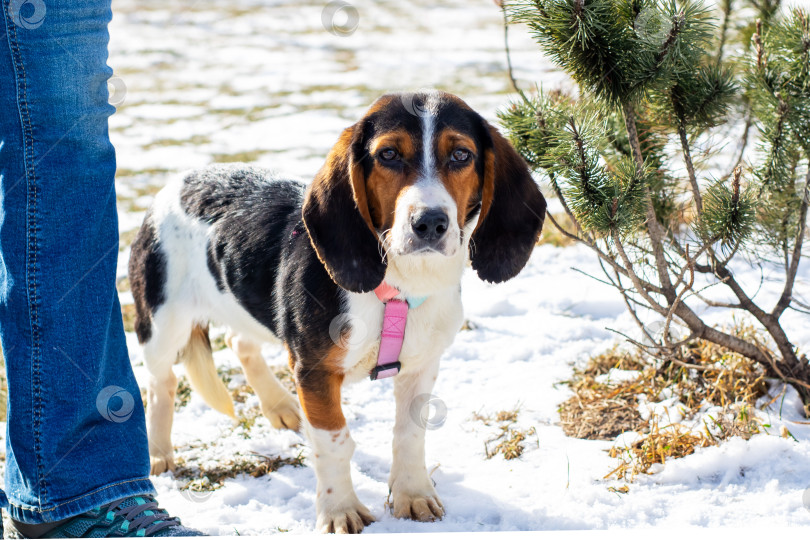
[202, 374]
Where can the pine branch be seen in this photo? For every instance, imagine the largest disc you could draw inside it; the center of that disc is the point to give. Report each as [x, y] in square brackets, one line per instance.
[690, 169]
[700, 99]
[544, 132]
[729, 215]
[674, 32]
[582, 166]
[654, 229]
[761, 60]
[790, 278]
[775, 161]
[650, 61]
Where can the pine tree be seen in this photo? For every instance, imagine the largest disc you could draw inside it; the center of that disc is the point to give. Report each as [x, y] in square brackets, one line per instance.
[655, 75]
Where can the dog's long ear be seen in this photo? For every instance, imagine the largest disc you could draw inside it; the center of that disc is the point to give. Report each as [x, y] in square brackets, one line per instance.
[337, 218]
[512, 212]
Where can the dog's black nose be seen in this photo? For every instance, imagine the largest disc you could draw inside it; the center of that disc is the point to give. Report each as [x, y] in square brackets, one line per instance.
[429, 224]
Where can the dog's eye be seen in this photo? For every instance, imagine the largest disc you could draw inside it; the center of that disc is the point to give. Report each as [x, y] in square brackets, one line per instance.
[388, 154]
[460, 155]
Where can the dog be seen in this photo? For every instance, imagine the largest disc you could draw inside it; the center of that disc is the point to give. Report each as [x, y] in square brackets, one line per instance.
[417, 189]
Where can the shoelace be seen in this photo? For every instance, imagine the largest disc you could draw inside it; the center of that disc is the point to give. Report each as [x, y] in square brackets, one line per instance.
[147, 516]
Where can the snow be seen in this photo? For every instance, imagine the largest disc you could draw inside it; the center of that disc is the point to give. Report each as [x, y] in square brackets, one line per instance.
[264, 81]
[527, 334]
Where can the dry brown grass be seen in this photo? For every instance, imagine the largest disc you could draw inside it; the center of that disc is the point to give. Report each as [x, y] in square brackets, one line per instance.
[128, 315]
[725, 377]
[737, 422]
[500, 417]
[468, 325]
[209, 478]
[122, 284]
[247, 419]
[217, 341]
[510, 440]
[241, 393]
[602, 411]
[511, 443]
[599, 412]
[704, 375]
[285, 377]
[655, 448]
[183, 393]
[126, 238]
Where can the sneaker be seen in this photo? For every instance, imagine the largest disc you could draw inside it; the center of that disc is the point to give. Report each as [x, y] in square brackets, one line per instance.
[132, 516]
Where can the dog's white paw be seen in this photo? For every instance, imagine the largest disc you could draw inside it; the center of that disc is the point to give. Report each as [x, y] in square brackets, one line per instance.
[418, 506]
[284, 415]
[348, 519]
[161, 464]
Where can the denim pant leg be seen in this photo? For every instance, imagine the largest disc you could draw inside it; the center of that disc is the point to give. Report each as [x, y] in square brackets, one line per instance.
[76, 436]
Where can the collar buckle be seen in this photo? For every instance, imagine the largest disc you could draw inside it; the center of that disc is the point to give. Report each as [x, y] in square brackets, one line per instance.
[382, 371]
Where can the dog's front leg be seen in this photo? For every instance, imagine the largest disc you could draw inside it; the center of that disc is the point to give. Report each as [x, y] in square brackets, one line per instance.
[412, 490]
[337, 506]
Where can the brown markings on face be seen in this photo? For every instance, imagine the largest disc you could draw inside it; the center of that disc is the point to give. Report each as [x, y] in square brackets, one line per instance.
[488, 190]
[385, 183]
[461, 180]
[318, 382]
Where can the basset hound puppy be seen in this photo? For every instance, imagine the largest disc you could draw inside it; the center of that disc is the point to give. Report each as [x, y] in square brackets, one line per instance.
[358, 274]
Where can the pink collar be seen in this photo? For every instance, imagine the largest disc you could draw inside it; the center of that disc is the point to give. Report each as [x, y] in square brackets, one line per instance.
[393, 330]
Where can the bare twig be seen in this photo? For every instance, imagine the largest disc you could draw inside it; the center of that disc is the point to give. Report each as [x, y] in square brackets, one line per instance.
[602, 255]
[737, 161]
[723, 31]
[691, 266]
[645, 348]
[509, 55]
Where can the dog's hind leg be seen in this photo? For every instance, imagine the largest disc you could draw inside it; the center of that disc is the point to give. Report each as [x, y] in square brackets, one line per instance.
[159, 412]
[278, 405]
[160, 354]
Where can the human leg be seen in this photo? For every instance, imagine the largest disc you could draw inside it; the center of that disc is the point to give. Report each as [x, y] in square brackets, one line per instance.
[76, 438]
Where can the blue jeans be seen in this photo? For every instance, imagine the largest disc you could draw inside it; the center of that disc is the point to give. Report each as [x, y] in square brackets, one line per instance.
[76, 437]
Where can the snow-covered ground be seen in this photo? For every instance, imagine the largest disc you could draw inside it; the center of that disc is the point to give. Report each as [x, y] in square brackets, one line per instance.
[263, 81]
[527, 334]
